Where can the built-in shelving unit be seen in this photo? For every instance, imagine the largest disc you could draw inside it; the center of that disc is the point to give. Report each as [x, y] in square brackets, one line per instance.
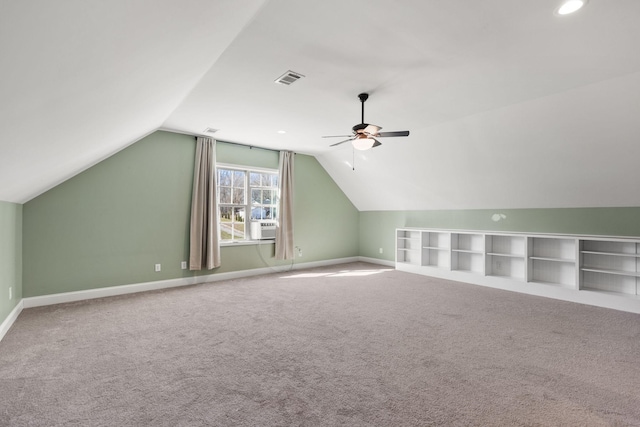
[593, 270]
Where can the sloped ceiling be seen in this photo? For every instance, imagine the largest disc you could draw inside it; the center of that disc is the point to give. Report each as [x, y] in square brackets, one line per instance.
[82, 79]
[508, 104]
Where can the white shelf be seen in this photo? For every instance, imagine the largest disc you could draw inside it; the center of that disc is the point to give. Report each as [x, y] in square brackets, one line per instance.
[505, 255]
[608, 271]
[546, 265]
[561, 285]
[570, 261]
[611, 254]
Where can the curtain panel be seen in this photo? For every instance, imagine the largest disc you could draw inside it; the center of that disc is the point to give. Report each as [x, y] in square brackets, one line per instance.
[204, 244]
[284, 229]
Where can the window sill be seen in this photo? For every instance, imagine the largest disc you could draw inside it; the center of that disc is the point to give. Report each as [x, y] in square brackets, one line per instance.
[248, 242]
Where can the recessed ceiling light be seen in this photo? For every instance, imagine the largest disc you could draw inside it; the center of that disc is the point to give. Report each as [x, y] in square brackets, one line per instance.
[570, 6]
[282, 131]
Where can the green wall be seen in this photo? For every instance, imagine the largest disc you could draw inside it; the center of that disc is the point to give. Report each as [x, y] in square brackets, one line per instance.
[10, 257]
[109, 225]
[377, 228]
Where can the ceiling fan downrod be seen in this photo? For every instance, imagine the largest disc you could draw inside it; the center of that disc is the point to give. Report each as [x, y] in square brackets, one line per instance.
[363, 97]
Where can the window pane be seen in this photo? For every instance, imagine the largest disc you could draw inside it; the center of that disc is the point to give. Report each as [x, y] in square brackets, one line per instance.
[274, 180]
[238, 196]
[264, 180]
[238, 231]
[257, 213]
[268, 197]
[238, 226]
[224, 177]
[254, 179]
[238, 179]
[267, 213]
[225, 195]
[255, 196]
[226, 223]
[238, 214]
[225, 214]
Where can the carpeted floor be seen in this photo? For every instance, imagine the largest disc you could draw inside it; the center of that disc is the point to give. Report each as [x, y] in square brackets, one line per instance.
[352, 345]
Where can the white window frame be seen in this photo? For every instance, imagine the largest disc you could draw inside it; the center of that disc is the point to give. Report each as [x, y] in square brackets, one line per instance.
[247, 199]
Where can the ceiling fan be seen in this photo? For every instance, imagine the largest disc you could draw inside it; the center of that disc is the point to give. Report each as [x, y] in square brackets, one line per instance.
[364, 135]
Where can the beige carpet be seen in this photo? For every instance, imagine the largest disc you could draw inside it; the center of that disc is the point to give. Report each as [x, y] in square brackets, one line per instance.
[349, 345]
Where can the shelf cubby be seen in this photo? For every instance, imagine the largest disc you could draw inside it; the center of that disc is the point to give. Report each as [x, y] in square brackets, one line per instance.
[552, 261]
[467, 252]
[505, 256]
[595, 280]
[435, 249]
[408, 247]
[610, 266]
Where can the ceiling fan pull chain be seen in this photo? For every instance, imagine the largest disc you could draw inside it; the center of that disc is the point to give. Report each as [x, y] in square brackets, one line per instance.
[353, 162]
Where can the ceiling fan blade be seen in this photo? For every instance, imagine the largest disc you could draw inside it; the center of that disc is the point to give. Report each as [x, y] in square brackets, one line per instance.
[396, 133]
[372, 129]
[376, 144]
[342, 142]
[338, 136]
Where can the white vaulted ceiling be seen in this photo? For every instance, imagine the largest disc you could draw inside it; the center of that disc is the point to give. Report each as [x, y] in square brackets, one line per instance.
[508, 104]
[82, 79]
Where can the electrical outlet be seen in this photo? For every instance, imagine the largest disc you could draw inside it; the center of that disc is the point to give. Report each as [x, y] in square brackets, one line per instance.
[158, 267]
[10, 292]
[299, 251]
[498, 265]
[183, 265]
[380, 250]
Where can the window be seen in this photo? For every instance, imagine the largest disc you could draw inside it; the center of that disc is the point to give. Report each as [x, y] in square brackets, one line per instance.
[245, 193]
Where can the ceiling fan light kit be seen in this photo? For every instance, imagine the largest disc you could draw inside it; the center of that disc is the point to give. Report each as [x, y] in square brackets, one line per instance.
[363, 143]
[365, 134]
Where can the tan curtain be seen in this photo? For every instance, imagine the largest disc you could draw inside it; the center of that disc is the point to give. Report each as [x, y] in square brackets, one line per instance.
[284, 229]
[204, 251]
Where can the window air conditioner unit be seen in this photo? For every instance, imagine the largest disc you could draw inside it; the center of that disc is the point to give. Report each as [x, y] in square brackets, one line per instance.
[263, 230]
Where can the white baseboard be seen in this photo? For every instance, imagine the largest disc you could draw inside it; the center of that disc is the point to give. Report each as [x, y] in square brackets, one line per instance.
[377, 261]
[8, 322]
[172, 283]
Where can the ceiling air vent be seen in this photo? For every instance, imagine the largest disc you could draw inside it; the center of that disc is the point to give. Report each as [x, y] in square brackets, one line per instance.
[210, 130]
[289, 77]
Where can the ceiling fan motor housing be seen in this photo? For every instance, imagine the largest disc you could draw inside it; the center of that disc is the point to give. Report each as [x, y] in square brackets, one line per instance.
[359, 127]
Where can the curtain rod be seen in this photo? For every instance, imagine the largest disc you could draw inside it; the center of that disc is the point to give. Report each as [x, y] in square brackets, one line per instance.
[251, 147]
